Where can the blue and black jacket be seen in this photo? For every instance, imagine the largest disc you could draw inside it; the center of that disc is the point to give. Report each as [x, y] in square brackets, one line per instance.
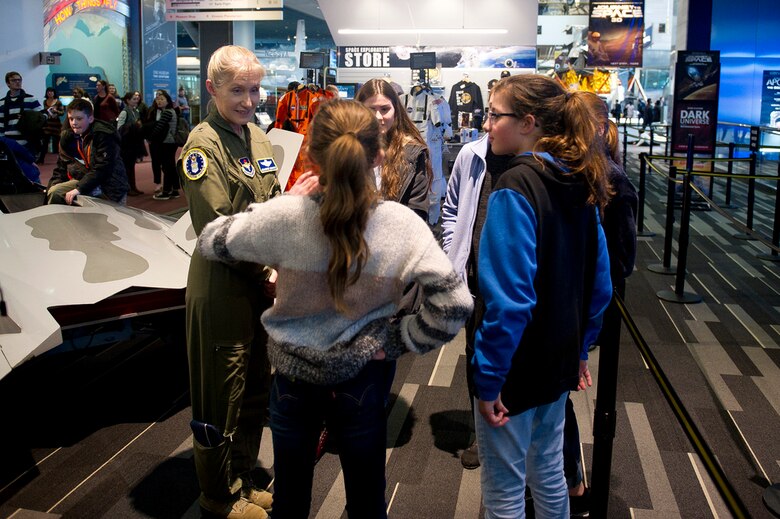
[544, 275]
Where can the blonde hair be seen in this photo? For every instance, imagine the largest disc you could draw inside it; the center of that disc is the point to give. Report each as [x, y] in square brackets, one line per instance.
[570, 132]
[229, 61]
[401, 132]
[344, 140]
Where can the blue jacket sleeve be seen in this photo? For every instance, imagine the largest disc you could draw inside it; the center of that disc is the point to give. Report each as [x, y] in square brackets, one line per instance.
[507, 268]
[602, 293]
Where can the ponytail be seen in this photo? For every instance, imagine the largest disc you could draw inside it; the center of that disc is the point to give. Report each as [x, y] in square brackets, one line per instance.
[344, 143]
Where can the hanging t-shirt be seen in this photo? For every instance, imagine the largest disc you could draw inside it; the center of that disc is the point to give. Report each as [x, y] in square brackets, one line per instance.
[465, 98]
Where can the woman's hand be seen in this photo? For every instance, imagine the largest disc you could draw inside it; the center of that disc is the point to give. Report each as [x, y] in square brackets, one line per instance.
[306, 184]
[71, 195]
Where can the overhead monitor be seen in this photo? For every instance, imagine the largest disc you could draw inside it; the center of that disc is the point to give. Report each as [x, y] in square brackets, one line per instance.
[312, 60]
[346, 90]
[422, 60]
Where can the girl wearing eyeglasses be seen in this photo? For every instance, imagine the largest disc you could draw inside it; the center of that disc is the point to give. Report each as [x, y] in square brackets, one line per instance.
[543, 273]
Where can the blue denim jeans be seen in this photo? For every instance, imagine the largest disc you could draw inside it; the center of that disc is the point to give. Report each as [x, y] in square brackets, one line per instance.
[530, 444]
[354, 413]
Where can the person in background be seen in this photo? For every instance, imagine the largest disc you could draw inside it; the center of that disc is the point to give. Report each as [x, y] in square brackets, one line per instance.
[475, 172]
[113, 92]
[343, 258]
[80, 93]
[24, 158]
[129, 127]
[53, 127]
[227, 164]
[12, 105]
[89, 162]
[542, 310]
[405, 174]
[106, 107]
[161, 126]
[183, 104]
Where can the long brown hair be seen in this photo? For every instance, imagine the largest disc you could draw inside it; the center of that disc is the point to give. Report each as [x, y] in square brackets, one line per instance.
[397, 136]
[344, 141]
[570, 132]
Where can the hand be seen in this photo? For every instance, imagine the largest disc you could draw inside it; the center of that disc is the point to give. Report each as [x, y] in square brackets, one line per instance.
[71, 195]
[585, 380]
[306, 184]
[379, 355]
[493, 412]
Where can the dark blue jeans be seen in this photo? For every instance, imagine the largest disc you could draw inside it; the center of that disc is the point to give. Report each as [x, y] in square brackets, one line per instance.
[354, 413]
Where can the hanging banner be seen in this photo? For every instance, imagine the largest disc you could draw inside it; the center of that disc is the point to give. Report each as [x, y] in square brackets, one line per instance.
[616, 33]
[516, 56]
[696, 84]
[770, 99]
[158, 50]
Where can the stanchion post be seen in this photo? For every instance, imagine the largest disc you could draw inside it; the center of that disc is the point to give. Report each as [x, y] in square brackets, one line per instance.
[625, 143]
[679, 295]
[640, 225]
[652, 139]
[751, 201]
[730, 171]
[666, 267]
[773, 256]
[666, 143]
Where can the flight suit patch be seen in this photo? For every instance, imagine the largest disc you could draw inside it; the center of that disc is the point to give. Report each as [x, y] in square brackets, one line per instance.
[195, 164]
[246, 167]
[267, 165]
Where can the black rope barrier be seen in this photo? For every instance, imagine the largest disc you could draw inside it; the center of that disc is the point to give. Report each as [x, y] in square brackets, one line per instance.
[700, 446]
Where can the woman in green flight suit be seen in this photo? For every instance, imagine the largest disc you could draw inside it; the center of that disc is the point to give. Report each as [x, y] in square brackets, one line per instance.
[227, 164]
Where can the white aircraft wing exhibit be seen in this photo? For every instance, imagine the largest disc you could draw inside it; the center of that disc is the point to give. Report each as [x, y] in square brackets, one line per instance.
[59, 255]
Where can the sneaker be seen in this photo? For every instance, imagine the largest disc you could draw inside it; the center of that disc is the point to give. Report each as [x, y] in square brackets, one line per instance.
[174, 194]
[579, 506]
[261, 498]
[158, 189]
[162, 196]
[469, 458]
[239, 509]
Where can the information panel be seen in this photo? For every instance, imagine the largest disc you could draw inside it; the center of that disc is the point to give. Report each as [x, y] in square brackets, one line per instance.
[696, 83]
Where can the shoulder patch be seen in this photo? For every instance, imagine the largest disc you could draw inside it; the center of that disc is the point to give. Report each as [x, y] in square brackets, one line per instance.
[195, 164]
[267, 165]
[246, 167]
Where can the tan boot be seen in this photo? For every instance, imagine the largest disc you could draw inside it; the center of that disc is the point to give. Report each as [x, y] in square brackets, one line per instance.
[239, 509]
[261, 498]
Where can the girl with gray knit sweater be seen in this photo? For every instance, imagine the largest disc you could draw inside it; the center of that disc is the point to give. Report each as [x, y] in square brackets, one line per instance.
[343, 258]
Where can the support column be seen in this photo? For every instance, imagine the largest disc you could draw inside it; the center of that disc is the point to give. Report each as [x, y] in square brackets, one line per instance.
[213, 35]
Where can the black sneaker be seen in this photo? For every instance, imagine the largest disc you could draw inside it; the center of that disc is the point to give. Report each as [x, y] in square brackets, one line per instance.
[579, 506]
[174, 194]
[162, 196]
[469, 458]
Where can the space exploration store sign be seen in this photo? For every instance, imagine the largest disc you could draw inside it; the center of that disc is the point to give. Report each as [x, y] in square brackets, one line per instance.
[516, 56]
[696, 84]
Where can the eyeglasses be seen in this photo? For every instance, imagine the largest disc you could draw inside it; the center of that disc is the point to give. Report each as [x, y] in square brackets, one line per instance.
[494, 116]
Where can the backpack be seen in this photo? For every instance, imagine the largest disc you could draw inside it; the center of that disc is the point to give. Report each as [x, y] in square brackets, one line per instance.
[182, 131]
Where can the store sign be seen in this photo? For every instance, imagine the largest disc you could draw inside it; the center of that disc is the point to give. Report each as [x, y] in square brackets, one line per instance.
[616, 33]
[517, 56]
[696, 83]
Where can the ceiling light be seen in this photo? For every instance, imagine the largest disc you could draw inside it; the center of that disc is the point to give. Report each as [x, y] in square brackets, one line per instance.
[422, 31]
